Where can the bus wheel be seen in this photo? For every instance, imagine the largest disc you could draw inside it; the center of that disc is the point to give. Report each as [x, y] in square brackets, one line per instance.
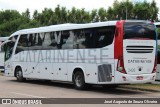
[78, 80]
[19, 75]
[110, 87]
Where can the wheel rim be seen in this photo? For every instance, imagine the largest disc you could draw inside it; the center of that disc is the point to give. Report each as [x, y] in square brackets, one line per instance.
[19, 74]
[78, 80]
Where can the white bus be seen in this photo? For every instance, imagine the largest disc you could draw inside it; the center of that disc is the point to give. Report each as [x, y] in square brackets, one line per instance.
[158, 55]
[2, 39]
[105, 53]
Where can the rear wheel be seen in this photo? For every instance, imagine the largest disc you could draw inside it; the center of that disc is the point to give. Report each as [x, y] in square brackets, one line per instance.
[19, 75]
[79, 81]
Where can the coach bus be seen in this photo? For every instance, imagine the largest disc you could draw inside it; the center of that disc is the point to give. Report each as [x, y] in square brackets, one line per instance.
[2, 39]
[104, 53]
[158, 55]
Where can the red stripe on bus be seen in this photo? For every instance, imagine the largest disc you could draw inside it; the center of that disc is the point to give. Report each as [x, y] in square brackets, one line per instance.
[118, 42]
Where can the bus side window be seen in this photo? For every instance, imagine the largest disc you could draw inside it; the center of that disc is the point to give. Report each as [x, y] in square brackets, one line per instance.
[84, 39]
[13, 38]
[34, 41]
[46, 41]
[67, 39]
[22, 44]
[90, 42]
[80, 39]
[104, 36]
[53, 41]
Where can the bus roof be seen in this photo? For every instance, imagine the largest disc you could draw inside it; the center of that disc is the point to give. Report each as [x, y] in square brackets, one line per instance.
[68, 26]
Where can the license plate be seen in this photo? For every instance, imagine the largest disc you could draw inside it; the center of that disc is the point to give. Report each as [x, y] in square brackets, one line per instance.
[139, 77]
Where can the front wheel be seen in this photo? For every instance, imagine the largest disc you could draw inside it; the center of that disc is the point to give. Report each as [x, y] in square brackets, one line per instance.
[79, 81]
[19, 75]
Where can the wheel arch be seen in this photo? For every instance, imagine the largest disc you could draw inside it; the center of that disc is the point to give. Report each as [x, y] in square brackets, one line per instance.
[18, 66]
[78, 69]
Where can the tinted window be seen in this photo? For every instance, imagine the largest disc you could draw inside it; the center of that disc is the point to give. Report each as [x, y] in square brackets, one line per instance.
[22, 44]
[67, 39]
[72, 39]
[104, 36]
[13, 38]
[139, 30]
[158, 30]
[53, 40]
[84, 39]
[45, 40]
[34, 41]
[8, 47]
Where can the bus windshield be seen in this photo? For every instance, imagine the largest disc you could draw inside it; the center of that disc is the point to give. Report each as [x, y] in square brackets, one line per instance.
[139, 30]
[8, 47]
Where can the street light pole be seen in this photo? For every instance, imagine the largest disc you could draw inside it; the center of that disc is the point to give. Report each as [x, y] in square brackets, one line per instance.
[126, 12]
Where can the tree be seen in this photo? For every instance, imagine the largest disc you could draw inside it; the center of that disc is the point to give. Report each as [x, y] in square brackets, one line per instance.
[26, 14]
[94, 15]
[102, 13]
[154, 10]
[9, 21]
[12, 20]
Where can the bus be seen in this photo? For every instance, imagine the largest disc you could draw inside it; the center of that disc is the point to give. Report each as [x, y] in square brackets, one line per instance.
[158, 55]
[102, 53]
[2, 39]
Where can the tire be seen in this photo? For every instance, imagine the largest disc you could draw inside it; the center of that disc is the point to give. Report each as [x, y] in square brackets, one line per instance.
[79, 81]
[19, 75]
[109, 87]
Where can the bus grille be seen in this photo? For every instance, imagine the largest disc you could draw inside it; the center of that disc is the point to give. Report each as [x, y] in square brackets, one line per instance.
[104, 73]
[139, 49]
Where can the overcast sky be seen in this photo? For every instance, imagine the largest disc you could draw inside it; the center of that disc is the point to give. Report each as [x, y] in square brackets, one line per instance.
[22, 5]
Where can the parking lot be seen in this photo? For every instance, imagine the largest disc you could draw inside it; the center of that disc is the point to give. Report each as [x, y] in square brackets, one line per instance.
[42, 89]
[10, 88]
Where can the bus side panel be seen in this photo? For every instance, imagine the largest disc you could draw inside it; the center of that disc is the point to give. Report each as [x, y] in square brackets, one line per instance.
[91, 73]
[100, 65]
[158, 72]
[21, 60]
